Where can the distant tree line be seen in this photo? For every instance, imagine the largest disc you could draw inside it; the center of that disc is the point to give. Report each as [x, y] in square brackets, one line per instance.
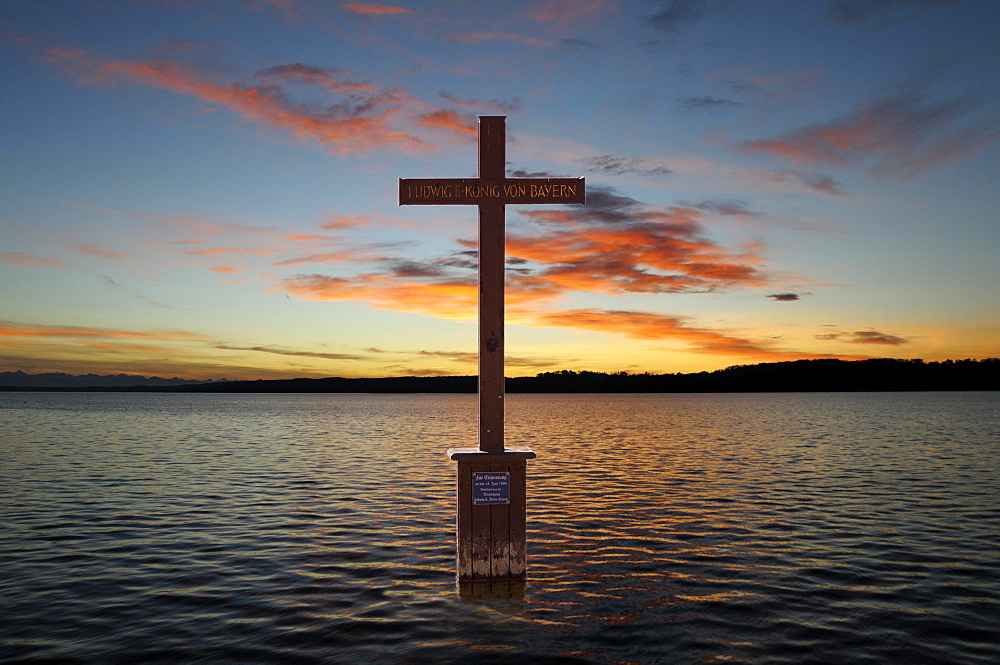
[882, 374]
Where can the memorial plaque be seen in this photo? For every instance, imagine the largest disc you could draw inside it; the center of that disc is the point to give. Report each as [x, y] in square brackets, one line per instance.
[480, 191]
[492, 487]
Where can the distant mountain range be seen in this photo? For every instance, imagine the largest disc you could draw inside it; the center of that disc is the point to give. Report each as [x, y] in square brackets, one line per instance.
[59, 380]
[882, 374]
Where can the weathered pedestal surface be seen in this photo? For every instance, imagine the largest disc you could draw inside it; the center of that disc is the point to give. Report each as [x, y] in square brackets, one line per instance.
[490, 515]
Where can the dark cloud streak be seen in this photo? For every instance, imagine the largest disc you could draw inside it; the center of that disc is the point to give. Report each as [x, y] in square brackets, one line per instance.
[707, 103]
[864, 337]
[880, 12]
[723, 207]
[512, 106]
[282, 352]
[615, 165]
[676, 13]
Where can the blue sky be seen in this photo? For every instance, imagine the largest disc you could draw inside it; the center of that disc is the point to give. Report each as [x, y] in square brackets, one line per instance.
[208, 189]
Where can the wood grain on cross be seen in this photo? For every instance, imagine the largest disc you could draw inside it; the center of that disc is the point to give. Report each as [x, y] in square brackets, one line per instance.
[491, 191]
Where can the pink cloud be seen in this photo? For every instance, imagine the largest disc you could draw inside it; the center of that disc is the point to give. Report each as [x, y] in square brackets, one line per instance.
[566, 13]
[899, 136]
[347, 221]
[305, 237]
[373, 9]
[94, 249]
[361, 119]
[350, 255]
[342, 222]
[32, 260]
[223, 251]
[344, 116]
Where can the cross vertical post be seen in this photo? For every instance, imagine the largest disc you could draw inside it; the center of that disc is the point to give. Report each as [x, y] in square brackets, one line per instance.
[491, 479]
[492, 276]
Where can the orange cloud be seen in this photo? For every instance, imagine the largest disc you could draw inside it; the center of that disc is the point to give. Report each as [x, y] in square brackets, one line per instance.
[11, 329]
[446, 300]
[224, 269]
[526, 297]
[32, 260]
[375, 9]
[471, 358]
[651, 326]
[616, 245]
[458, 300]
[305, 237]
[449, 120]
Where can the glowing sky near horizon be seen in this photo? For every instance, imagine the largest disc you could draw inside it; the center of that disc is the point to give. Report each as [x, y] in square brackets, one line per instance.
[207, 189]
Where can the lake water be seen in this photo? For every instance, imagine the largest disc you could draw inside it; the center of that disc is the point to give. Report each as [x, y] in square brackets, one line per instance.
[772, 528]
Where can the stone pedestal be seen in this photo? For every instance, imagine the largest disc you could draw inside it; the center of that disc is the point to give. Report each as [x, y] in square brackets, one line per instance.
[490, 513]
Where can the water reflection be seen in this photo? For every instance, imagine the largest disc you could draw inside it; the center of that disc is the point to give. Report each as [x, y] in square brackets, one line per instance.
[661, 528]
[509, 592]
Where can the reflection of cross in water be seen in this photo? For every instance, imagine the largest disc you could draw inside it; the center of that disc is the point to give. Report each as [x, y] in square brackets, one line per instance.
[491, 191]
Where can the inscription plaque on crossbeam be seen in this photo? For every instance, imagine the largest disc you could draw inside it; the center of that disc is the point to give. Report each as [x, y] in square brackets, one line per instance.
[476, 191]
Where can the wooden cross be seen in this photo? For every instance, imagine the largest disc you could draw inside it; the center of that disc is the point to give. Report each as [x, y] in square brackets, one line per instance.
[491, 191]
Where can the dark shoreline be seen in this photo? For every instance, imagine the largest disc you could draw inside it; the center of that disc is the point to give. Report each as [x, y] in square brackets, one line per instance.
[876, 375]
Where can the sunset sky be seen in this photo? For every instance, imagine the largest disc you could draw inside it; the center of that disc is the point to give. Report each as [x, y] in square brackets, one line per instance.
[207, 188]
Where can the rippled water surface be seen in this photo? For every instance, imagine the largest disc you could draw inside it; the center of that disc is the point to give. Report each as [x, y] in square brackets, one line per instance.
[789, 528]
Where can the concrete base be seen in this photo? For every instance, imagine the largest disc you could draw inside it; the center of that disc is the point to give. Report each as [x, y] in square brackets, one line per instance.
[490, 537]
